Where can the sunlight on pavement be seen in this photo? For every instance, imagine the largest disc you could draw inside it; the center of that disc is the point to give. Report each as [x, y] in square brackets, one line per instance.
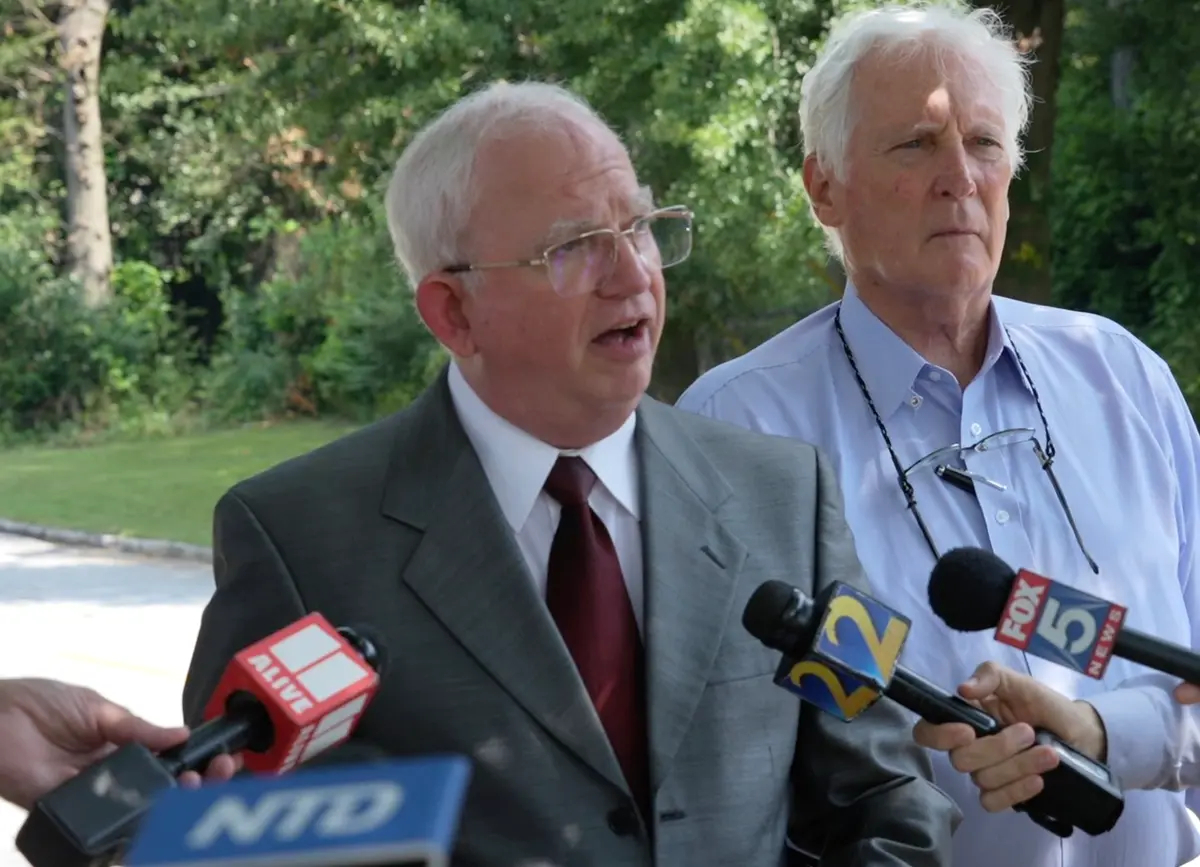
[121, 624]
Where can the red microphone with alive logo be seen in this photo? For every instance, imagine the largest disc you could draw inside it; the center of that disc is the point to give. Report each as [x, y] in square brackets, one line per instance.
[311, 681]
[281, 701]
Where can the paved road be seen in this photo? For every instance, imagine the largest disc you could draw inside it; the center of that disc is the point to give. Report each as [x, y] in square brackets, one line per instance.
[120, 624]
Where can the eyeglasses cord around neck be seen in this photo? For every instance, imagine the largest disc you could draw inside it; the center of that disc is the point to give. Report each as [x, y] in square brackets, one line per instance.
[1045, 456]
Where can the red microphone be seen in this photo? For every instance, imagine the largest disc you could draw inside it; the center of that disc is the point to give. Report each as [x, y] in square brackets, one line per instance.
[280, 702]
[289, 697]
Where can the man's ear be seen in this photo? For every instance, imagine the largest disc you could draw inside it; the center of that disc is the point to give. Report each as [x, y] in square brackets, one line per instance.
[443, 303]
[818, 183]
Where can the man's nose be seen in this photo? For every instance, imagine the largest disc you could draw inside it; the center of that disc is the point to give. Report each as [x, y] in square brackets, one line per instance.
[956, 178]
[631, 274]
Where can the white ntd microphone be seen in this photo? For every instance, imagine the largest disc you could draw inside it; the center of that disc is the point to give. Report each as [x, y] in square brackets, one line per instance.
[313, 683]
[402, 813]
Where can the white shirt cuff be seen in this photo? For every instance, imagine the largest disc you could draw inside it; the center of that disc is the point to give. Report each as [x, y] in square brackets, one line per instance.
[1137, 737]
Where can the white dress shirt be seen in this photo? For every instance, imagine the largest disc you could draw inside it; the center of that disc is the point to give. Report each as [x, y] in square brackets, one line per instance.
[1128, 460]
[517, 465]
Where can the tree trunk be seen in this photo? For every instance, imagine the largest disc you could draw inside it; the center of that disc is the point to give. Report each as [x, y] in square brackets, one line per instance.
[1025, 271]
[89, 240]
[1121, 69]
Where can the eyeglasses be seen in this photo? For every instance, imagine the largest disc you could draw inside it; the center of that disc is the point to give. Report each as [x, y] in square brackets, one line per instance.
[965, 479]
[661, 239]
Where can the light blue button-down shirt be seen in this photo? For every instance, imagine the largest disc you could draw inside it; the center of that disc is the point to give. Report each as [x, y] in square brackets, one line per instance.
[1128, 455]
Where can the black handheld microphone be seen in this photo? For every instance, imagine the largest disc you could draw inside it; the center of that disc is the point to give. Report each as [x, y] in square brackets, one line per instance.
[267, 716]
[973, 590]
[844, 671]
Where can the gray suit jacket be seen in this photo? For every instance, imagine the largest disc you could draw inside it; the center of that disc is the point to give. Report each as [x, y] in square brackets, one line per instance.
[395, 525]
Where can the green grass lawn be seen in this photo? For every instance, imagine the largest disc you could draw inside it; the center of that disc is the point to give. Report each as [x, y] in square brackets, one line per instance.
[157, 488]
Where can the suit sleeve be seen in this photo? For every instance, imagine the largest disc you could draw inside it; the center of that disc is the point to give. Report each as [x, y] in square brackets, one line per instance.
[255, 596]
[867, 780]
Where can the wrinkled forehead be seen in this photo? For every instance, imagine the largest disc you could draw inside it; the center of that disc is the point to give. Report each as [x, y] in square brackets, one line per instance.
[550, 154]
[925, 84]
[555, 179]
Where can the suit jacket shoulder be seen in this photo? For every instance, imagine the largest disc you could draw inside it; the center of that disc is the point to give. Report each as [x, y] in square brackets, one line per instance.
[770, 483]
[357, 460]
[740, 447]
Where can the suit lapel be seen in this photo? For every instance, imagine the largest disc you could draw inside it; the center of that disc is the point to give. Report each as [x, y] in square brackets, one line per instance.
[692, 565]
[468, 570]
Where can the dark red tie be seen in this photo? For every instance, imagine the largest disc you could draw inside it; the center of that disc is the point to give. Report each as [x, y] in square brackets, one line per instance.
[586, 594]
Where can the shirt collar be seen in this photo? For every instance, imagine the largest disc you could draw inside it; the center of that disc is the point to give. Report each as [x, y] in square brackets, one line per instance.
[517, 463]
[890, 367]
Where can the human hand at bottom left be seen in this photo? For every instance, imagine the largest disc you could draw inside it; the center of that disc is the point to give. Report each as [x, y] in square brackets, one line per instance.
[53, 730]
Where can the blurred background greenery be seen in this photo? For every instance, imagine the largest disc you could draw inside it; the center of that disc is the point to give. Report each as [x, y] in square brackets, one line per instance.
[246, 145]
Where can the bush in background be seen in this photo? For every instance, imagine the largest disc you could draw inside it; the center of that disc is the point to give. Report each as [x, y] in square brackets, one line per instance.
[48, 366]
[334, 332]
[67, 370]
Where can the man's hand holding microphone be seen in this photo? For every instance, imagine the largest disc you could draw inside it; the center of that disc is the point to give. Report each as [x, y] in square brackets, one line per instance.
[973, 590]
[1007, 767]
[1002, 766]
[52, 730]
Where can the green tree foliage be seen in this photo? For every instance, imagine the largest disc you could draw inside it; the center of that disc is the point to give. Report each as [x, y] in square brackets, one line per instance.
[318, 99]
[248, 145]
[1126, 205]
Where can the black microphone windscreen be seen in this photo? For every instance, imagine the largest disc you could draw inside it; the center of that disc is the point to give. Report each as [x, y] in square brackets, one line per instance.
[969, 588]
[766, 608]
[365, 639]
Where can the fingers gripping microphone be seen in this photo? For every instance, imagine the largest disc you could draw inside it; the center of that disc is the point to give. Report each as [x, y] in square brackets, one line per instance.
[973, 590]
[281, 701]
[844, 671]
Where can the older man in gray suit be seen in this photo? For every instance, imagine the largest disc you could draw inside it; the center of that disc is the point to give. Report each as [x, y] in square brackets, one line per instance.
[558, 563]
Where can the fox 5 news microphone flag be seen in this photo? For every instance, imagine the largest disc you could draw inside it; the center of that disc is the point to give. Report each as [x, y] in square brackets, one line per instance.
[1060, 623]
[397, 812]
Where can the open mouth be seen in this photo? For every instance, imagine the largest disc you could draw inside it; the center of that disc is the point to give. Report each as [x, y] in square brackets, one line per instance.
[625, 333]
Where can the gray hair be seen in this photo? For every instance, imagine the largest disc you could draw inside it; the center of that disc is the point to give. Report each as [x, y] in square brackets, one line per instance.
[431, 192]
[901, 31]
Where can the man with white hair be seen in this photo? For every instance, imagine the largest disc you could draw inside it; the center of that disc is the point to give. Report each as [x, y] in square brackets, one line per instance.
[558, 564]
[955, 418]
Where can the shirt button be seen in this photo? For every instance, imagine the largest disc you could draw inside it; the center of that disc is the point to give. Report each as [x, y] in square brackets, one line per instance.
[914, 401]
[1002, 517]
[935, 375]
[976, 429]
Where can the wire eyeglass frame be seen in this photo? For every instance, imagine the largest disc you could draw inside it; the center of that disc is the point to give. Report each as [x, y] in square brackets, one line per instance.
[1045, 455]
[675, 215]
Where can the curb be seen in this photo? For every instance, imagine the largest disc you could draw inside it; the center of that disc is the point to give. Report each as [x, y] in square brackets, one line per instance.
[109, 541]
